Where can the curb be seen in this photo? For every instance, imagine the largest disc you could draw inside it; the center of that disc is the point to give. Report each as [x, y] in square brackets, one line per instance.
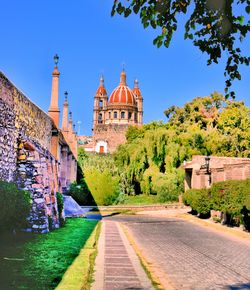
[216, 226]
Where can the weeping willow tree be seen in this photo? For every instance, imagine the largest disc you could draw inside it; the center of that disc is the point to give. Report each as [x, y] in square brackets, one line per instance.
[101, 176]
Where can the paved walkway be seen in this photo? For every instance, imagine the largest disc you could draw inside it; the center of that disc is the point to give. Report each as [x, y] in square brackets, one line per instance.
[117, 266]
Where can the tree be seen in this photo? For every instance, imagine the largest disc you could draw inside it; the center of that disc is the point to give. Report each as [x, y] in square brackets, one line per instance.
[213, 26]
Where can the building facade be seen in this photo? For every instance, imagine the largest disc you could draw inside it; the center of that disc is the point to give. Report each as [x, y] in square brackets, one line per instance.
[113, 114]
[203, 171]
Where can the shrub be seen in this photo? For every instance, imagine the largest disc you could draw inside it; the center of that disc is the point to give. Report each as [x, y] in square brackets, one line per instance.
[199, 200]
[60, 205]
[15, 206]
[230, 197]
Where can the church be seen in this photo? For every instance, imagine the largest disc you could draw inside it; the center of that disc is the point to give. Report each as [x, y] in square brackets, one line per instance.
[112, 116]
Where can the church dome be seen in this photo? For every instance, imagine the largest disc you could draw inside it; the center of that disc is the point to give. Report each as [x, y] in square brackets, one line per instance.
[122, 94]
[101, 89]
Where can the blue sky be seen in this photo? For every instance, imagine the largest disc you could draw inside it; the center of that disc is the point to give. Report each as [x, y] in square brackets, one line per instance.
[90, 42]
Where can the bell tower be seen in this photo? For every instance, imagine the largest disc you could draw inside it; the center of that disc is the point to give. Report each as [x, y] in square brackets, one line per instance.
[139, 102]
[100, 104]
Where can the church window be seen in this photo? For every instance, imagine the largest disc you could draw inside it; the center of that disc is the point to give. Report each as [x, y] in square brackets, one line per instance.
[115, 115]
[101, 104]
[129, 115]
[136, 118]
[122, 115]
[100, 118]
[109, 115]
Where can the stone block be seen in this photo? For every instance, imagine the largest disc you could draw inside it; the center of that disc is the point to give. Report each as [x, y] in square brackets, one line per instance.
[39, 200]
[35, 185]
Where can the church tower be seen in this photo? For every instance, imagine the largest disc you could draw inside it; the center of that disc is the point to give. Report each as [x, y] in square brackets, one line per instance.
[113, 115]
[100, 104]
[139, 101]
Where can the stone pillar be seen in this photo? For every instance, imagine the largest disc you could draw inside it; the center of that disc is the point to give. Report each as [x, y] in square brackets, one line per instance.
[64, 169]
[54, 111]
[65, 128]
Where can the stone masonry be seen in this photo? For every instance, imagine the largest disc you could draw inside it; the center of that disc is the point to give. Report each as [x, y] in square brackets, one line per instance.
[26, 155]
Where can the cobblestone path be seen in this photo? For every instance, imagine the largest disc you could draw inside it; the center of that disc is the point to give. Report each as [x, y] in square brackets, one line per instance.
[117, 266]
[191, 256]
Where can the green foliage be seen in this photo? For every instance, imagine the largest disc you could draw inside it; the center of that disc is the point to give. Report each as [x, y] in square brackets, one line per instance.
[102, 178]
[198, 199]
[100, 162]
[60, 205]
[15, 206]
[215, 27]
[139, 199]
[48, 256]
[169, 186]
[134, 132]
[230, 196]
[103, 186]
[80, 193]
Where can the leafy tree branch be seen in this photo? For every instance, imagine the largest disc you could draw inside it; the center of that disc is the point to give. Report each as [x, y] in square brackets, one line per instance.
[213, 27]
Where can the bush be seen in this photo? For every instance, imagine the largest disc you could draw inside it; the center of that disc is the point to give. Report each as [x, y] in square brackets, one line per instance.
[60, 206]
[15, 206]
[199, 200]
[230, 197]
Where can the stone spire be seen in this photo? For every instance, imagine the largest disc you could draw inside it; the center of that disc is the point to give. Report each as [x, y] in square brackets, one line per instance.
[123, 78]
[54, 111]
[70, 126]
[136, 84]
[74, 129]
[65, 113]
[102, 81]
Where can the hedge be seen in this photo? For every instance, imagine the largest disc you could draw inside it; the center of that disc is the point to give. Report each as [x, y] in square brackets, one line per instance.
[231, 197]
[199, 200]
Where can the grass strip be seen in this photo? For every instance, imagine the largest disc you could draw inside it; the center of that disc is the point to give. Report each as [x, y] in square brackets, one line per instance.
[145, 264]
[32, 261]
[80, 274]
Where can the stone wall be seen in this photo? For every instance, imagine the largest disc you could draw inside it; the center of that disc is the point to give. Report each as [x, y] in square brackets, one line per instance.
[220, 169]
[36, 172]
[7, 131]
[26, 156]
[112, 134]
[31, 120]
